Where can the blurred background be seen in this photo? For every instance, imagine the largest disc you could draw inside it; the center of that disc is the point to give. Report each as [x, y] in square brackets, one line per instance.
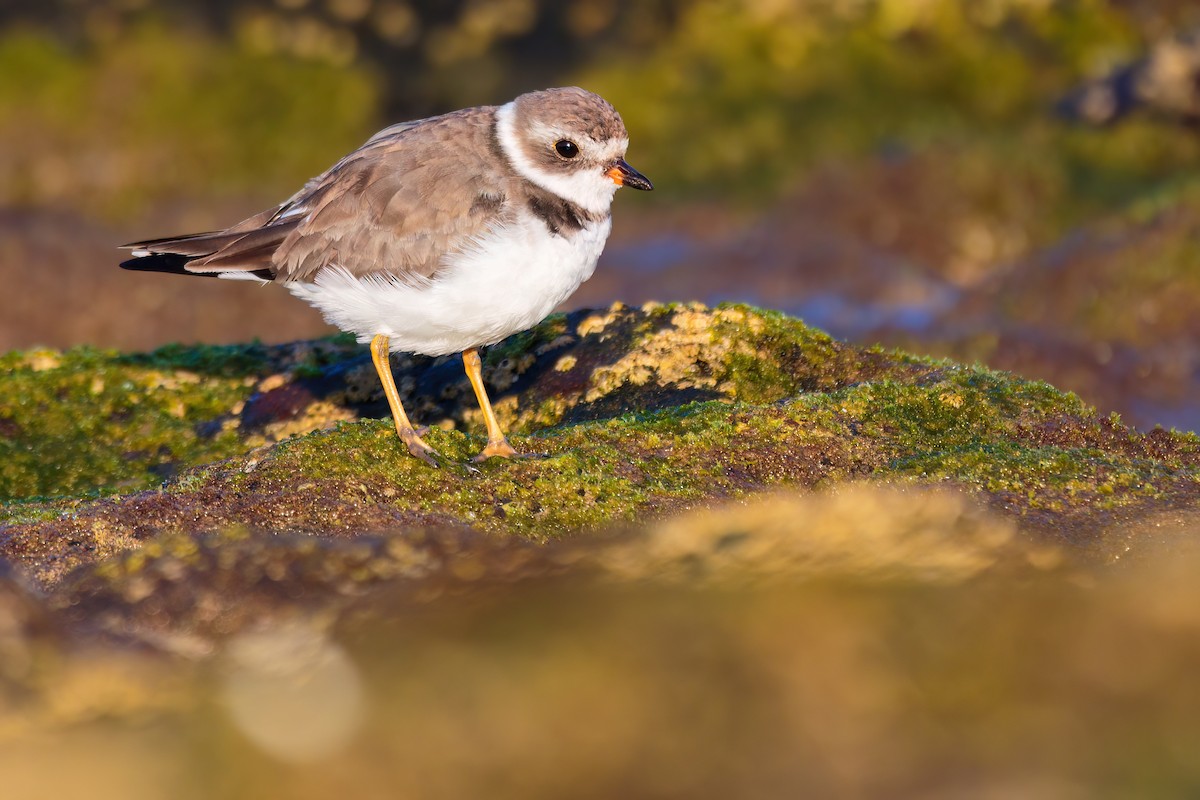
[1009, 181]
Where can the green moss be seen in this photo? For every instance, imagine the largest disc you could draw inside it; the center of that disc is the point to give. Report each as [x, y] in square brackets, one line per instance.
[967, 427]
[566, 489]
[965, 407]
[793, 407]
[229, 361]
[976, 428]
[1047, 477]
[87, 419]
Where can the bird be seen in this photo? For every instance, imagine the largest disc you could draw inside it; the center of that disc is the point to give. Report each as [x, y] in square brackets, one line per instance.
[436, 236]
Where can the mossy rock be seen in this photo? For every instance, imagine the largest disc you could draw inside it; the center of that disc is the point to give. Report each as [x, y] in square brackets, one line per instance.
[638, 414]
[88, 420]
[738, 524]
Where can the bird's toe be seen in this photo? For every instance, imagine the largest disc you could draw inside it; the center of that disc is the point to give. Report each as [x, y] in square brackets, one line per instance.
[497, 449]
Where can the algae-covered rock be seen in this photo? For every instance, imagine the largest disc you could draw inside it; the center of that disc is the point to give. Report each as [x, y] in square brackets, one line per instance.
[95, 420]
[874, 568]
[639, 413]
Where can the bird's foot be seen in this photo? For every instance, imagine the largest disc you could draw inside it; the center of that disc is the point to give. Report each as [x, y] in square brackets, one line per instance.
[504, 450]
[497, 449]
[417, 446]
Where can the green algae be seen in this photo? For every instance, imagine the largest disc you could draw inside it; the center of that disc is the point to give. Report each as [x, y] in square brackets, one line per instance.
[86, 419]
[566, 490]
[632, 414]
[229, 361]
[89, 420]
[970, 428]
[1057, 479]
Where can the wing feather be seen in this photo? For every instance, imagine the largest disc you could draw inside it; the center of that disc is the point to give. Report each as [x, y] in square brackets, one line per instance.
[401, 203]
[396, 206]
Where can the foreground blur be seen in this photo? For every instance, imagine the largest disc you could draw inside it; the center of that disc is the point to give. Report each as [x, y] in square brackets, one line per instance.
[866, 642]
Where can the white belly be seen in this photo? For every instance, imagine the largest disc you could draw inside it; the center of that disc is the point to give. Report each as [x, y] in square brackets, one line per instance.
[509, 282]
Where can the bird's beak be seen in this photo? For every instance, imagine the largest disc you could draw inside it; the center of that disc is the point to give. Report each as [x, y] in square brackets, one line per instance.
[624, 175]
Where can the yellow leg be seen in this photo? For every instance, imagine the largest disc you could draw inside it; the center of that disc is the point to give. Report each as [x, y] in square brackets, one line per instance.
[383, 366]
[497, 444]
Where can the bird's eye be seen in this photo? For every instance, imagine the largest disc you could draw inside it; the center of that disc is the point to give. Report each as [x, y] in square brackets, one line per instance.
[566, 148]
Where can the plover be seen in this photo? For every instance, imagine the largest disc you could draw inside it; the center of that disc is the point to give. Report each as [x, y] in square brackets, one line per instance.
[437, 236]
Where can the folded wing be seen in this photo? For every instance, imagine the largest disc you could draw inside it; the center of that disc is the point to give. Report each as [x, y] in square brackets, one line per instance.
[413, 193]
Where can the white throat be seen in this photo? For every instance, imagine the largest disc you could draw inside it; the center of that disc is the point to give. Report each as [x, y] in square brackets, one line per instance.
[592, 190]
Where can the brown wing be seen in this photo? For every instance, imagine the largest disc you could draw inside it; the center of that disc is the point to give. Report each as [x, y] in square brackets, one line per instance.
[411, 194]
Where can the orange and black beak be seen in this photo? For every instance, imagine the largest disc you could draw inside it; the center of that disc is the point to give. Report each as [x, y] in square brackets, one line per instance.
[624, 175]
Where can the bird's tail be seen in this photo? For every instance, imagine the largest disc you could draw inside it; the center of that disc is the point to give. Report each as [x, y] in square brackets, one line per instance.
[243, 251]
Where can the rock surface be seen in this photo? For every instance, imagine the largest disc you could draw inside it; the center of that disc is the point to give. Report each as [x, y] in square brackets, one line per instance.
[797, 525]
[639, 413]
